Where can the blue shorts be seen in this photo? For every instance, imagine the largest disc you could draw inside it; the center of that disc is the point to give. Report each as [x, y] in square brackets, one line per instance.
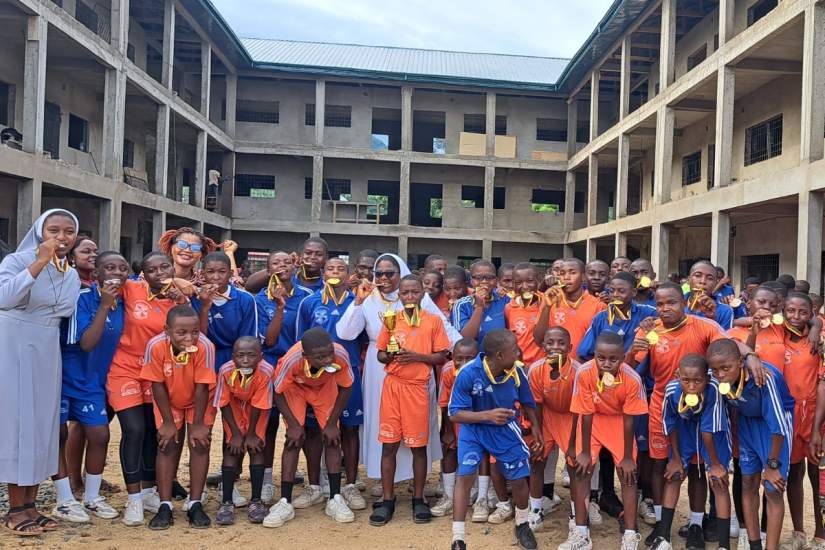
[691, 445]
[755, 446]
[89, 411]
[504, 443]
[353, 413]
[640, 431]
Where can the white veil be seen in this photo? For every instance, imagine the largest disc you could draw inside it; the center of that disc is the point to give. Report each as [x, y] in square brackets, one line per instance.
[35, 235]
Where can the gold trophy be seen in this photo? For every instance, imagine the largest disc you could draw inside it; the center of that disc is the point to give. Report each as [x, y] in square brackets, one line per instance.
[389, 318]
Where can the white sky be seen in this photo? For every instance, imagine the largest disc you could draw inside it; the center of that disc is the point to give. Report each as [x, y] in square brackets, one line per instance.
[553, 28]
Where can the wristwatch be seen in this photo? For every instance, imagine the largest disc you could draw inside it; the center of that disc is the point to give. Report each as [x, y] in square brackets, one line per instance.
[773, 464]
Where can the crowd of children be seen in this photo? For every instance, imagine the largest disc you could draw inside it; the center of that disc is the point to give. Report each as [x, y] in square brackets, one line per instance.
[494, 372]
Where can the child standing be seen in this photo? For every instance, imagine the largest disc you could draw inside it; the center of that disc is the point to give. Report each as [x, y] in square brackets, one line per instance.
[522, 313]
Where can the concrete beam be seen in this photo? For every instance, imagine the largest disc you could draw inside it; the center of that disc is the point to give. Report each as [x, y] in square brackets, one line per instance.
[320, 105]
[114, 121]
[406, 118]
[696, 105]
[487, 249]
[203, 34]
[620, 245]
[667, 46]
[663, 164]
[34, 83]
[723, 152]
[720, 239]
[489, 196]
[29, 205]
[162, 150]
[590, 250]
[206, 77]
[317, 186]
[109, 224]
[594, 104]
[228, 187]
[404, 194]
[813, 85]
[569, 200]
[572, 125]
[624, 92]
[783, 66]
[403, 245]
[809, 238]
[231, 103]
[490, 124]
[660, 249]
[592, 188]
[200, 170]
[168, 52]
[622, 175]
[120, 25]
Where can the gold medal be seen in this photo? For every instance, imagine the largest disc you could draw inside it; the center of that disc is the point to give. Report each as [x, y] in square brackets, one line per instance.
[652, 337]
[777, 319]
[691, 400]
[736, 302]
[645, 282]
[608, 380]
[191, 349]
[334, 281]
[686, 288]
[724, 388]
[764, 323]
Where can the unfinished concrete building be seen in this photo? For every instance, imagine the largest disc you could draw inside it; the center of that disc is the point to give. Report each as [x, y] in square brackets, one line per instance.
[681, 129]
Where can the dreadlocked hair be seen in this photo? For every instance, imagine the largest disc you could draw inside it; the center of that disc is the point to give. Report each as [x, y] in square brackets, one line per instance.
[168, 238]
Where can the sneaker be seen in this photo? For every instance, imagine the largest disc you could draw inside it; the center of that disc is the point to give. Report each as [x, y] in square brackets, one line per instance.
[646, 511]
[197, 517]
[225, 514]
[237, 498]
[204, 498]
[550, 505]
[443, 507]
[311, 496]
[594, 514]
[480, 511]
[179, 493]
[377, 490]
[651, 537]
[565, 478]
[213, 479]
[338, 510]
[504, 512]
[817, 544]
[267, 493]
[433, 490]
[133, 514]
[163, 518]
[734, 527]
[353, 497]
[360, 484]
[660, 543]
[630, 541]
[571, 527]
[525, 538]
[797, 542]
[299, 477]
[100, 508]
[280, 513]
[695, 538]
[743, 543]
[535, 520]
[151, 501]
[458, 545]
[576, 541]
[256, 512]
[71, 511]
[492, 497]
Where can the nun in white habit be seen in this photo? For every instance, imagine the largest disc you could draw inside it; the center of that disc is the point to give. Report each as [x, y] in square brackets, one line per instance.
[38, 288]
[367, 316]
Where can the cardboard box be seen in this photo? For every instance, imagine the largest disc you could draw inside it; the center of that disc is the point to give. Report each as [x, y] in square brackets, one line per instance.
[505, 147]
[472, 144]
[549, 156]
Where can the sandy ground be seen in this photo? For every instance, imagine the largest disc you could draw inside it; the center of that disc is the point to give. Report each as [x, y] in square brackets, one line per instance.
[311, 529]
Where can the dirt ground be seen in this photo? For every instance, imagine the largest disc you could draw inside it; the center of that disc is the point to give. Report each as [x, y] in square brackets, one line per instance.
[312, 529]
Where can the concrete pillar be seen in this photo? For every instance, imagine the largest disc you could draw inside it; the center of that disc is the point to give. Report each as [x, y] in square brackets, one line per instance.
[487, 249]
[590, 250]
[120, 25]
[490, 119]
[197, 225]
[206, 77]
[667, 46]
[567, 251]
[29, 205]
[572, 125]
[663, 165]
[594, 104]
[727, 10]
[720, 239]
[200, 170]
[320, 106]
[489, 194]
[403, 244]
[114, 120]
[34, 83]
[813, 84]
[317, 186]
[162, 150]
[226, 234]
[158, 227]
[109, 224]
[622, 171]
[620, 244]
[404, 194]
[809, 238]
[569, 200]
[723, 155]
[624, 86]
[592, 188]
[227, 185]
[231, 102]
[660, 249]
[168, 42]
[406, 118]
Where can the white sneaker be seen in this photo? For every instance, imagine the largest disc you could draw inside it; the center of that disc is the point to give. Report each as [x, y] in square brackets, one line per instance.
[480, 511]
[267, 493]
[565, 478]
[433, 490]
[71, 511]
[280, 513]
[133, 514]
[204, 498]
[646, 511]
[797, 542]
[504, 512]
[238, 499]
[734, 527]
[377, 490]
[311, 496]
[817, 544]
[353, 497]
[743, 543]
[661, 544]
[100, 508]
[443, 507]
[535, 520]
[550, 505]
[338, 510]
[361, 484]
[630, 541]
[492, 497]
[151, 501]
[594, 514]
[576, 541]
[571, 527]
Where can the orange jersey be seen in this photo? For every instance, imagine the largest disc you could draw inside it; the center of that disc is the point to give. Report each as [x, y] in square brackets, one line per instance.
[625, 397]
[443, 303]
[255, 392]
[180, 379]
[293, 370]
[428, 337]
[576, 320]
[445, 387]
[801, 367]
[521, 321]
[769, 344]
[554, 395]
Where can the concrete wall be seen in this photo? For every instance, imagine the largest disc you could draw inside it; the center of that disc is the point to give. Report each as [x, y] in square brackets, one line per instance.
[451, 178]
[292, 96]
[11, 72]
[522, 252]
[362, 100]
[518, 212]
[450, 249]
[289, 203]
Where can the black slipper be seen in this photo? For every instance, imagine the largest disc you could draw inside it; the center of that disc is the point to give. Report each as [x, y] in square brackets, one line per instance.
[421, 513]
[197, 517]
[163, 519]
[383, 514]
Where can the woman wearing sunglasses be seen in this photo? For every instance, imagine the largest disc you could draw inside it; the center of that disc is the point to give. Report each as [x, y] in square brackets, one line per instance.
[187, 247]
[364, 313]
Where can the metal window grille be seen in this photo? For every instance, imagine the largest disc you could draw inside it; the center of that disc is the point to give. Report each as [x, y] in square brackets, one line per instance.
[128, 153]
[331, 190]
[692, 168]
[765, 267]
[551, 129]
[266, 112]
[475, 123]
[763, 141]
[309, 114]
[255, 185]
[337, 116]
[711, 164]
[78, 133]
[501, 125]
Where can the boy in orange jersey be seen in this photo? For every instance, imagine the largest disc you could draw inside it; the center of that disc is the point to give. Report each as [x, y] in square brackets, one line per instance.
[607, 395]
[180, 364]
[410, 352]
[522, 313]
[568, 305]
[434, 286]
[244, 395]
[551, 381]
[463, 352]
[314, 372]
[759, 336]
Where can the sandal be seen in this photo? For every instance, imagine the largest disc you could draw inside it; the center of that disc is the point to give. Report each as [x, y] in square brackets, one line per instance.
[25, 528]
[421, 513]
[46, 523]
[383, 514]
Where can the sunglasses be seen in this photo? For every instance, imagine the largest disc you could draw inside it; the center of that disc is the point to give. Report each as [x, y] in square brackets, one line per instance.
[386, 274]
[483, 277]
[183, 245]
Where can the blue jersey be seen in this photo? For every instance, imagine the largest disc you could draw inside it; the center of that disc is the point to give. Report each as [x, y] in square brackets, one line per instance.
[649, 299]
[313, 312]
[770, 403]
[724, 314]
[266, 311]
[625, 329]
[85, 373]
[313, 286]
[473, 390]
[493, 316]
[710, 416]
[228, 321]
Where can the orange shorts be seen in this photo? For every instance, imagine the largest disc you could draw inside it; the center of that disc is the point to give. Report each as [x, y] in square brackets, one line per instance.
[298, 397]
[607, 433]
[556, 428]
[241, 416]
[658, 443]
[124, 391]
[405, 412]
[803, 427]
[187, 414]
